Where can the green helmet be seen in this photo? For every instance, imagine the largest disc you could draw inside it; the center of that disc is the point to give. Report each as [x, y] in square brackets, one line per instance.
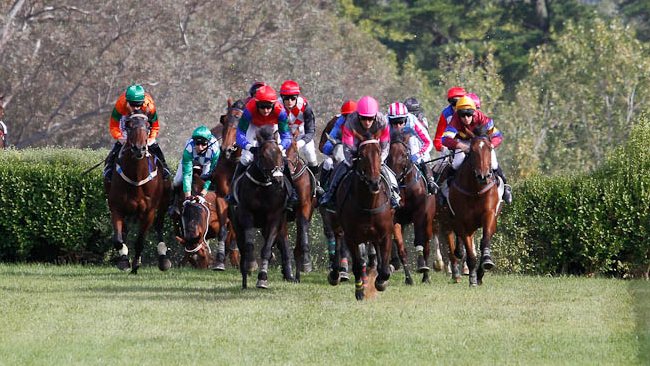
[135, 93]
[202, 132]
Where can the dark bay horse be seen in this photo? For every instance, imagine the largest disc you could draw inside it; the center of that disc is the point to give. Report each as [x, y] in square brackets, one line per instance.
[364, 214]
[417, 207]
[474, 202]
[305, 185]
[200, 223]
[261, 194]
[137, 190]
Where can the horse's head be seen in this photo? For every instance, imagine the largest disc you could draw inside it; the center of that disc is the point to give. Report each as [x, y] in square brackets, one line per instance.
[194, 218]
[269, 157]
[399, 156]
[137, 131]
[230, 120]
[480, 158]
[368, 164]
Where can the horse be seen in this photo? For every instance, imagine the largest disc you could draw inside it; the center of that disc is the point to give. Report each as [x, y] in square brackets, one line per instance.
[222, 178]
[261, 194]
[305, 185]
[364, 215]
[474, 202]
[137, 190]
[416, 206]
[200, 223]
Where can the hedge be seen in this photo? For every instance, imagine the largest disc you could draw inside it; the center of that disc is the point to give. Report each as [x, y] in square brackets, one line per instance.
[596, 223]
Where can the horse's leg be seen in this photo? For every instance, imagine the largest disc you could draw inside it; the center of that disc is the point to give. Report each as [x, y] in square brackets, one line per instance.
[468, 241]
[118, 241]
[283, 244]
[163, 261]
[453, 260]
[486, 262]
[145, 224]
[385, 245]
[269, 233]
[343, 260]
[357, 267]
[423, 232]
[244, 232]
[401, 251]
[220, 255]
[302, 237]
[334, 276]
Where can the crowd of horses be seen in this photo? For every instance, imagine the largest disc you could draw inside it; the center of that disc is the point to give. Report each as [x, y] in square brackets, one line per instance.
[363, 225]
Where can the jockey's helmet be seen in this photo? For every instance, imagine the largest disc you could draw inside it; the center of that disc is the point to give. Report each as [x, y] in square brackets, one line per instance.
[256, 85]
[202, 133]
[412, 104]
[135, 93]
[367, 106]
[397, 110]
[266, 94]
[348, 107]
[455, 92]
[465, 103]
[289, 87]
[476, 99]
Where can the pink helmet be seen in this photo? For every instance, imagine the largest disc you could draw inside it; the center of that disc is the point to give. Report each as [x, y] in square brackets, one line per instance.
[367, 106]
[476, 100]
[397, 109]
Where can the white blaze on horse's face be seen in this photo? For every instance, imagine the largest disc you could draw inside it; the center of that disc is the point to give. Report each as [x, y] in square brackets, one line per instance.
[481, 144]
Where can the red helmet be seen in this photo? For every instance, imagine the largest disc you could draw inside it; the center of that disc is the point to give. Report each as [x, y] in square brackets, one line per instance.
[349, 107]
[266, 94]
[456, 92]
[289, 87]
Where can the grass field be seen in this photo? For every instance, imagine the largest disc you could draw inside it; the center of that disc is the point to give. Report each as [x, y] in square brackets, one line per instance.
[73, 315]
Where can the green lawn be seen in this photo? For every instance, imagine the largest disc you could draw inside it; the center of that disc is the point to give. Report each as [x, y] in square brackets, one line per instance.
[99, 316]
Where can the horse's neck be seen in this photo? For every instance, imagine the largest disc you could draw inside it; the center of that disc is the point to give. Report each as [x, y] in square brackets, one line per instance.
[362, 191]
[133, 167]
[466, 179]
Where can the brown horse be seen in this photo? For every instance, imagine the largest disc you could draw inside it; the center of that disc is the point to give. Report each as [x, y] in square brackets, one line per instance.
[137, 190]
[222, 179]
[417, 207]
[200, 223]
[364, 214]
[261, 194]
[3, 127]
[305, 185]
[474, 202]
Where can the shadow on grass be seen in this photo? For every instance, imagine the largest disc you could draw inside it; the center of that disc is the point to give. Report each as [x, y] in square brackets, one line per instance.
[640, 291]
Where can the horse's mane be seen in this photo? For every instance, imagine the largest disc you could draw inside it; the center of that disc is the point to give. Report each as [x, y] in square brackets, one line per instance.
[396, 136]
[265, 133]
[480, 131]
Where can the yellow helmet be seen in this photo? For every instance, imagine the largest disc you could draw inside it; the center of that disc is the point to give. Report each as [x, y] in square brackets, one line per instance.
[465, 102]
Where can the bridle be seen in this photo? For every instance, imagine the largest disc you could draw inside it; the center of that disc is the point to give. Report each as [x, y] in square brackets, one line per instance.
[203, 243]
[372, 183]
[268, 175]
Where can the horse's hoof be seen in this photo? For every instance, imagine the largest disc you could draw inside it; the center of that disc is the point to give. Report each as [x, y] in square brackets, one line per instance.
[422, 265]
[219, 266]
[438, 265]
[487, 263]
[358, 294]
[262, 284]
[408, 281]
[306, 267]
[456, 279]
[333, 278]
[426, 280]
[381, 286]
[252, 266]
[123, 263]
[344, 276]
[134, 270]
[465, 270]
[472, 285]
[164, 263]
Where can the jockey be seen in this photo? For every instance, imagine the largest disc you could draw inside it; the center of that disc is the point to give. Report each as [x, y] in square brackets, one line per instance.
[453, 94]
[335, 133]
[414, 107]
[367, 119]
[301, 118]
[261, 110]
[476, 99]
[200, 150]
[420, 143]
[466, 118]
[251, 91]
[134, 98]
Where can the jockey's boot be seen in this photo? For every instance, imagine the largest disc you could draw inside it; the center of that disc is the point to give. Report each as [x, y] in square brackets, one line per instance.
[314, 170]
[328, 198]
[230, 197]
[432, 187]
[157, 152]
[293, 196]
[324, 177]
[109, 163]
[507, 190]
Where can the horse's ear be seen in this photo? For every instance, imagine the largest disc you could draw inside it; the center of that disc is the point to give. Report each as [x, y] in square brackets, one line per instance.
[222, 119]
[229, 101]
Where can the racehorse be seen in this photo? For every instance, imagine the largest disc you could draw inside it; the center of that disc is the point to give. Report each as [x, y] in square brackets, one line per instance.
[474, 202]
[305, 185]
[416, 206]
[200, 222]
[137, 190]
[261, 194]
[364, 214]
